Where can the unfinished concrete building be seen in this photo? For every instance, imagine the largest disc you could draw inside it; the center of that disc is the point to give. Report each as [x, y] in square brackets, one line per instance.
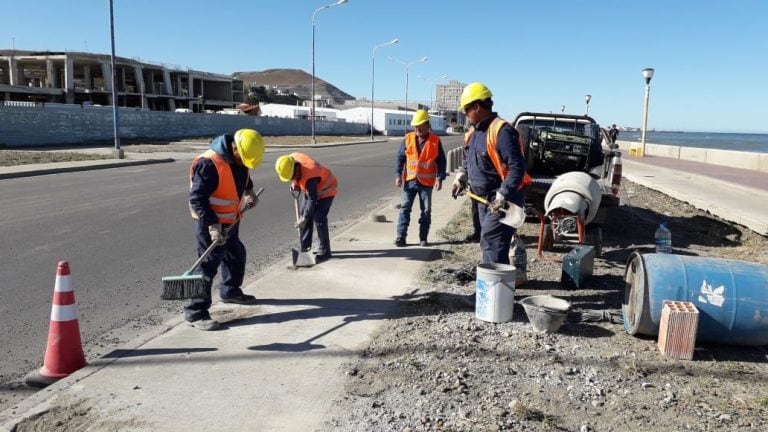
[85, 78]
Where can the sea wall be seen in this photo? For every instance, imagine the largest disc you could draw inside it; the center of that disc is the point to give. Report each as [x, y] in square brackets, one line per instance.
[729, 158]
[72, 124]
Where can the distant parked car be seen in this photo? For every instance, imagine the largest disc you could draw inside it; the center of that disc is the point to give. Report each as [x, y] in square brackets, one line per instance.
[183, 110]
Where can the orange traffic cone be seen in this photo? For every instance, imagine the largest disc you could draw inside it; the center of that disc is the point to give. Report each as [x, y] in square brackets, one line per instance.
[64, 353]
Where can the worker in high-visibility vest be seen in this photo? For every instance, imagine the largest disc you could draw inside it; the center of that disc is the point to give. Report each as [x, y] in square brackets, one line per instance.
[494, 167]
[220, 187]
[419, 167]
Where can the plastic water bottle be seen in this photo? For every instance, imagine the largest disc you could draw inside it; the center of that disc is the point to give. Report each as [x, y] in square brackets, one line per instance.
[519, 259]
[663, 238]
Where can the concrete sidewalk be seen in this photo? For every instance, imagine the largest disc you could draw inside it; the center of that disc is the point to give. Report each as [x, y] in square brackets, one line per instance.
[276, 366]
[733, 194]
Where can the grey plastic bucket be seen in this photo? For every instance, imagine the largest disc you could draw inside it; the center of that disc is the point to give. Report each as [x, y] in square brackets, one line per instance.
[731, 296]
[495, 292]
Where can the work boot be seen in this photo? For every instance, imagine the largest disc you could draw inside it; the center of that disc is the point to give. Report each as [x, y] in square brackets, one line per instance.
[206, 324]
[472, 238]
[423, 243]
[242, 299]
[400, 242]
[322, 257]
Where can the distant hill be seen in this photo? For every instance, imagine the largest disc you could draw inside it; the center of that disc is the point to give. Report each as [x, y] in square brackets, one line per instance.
[294, 81]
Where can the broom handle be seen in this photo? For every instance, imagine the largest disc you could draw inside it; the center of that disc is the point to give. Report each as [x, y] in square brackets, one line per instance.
[213, 245]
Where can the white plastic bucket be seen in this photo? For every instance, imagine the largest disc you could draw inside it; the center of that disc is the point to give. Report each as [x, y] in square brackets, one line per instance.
[495, 292]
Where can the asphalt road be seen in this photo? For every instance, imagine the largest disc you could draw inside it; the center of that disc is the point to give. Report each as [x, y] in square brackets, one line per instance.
[123, 229]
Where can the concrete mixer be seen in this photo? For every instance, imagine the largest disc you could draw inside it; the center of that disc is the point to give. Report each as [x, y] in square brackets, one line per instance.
[557, 145]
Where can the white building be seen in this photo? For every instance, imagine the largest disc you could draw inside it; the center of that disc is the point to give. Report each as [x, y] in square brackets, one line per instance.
[388, 121]
[298, 112]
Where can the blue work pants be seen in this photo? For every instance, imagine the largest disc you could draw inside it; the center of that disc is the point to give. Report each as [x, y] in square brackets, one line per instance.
[411, 189]
[229, 257]
[320, 220]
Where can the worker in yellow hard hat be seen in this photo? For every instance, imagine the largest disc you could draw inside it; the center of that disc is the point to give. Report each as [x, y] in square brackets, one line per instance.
[220, 189]
[494, 168]
[318, 186]
[419, 167]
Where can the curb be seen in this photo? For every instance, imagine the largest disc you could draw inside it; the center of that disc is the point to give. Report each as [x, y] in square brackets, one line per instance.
[75, 168]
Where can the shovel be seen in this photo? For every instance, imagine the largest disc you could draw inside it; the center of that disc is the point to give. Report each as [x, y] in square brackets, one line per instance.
[300, 259]
[514, 216]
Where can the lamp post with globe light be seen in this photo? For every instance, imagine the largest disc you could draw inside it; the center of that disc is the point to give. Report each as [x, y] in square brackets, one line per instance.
[373, 74]
[587, 98]
[562, 109]
[340, 2]
[647, 75]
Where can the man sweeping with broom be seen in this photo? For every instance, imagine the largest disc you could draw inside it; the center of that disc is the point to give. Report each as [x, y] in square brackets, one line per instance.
[220, 189]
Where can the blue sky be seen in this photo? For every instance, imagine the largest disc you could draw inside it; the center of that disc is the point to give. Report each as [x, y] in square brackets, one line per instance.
[710, 57]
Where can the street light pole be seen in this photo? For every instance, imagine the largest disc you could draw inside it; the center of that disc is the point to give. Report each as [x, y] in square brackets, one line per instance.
[562, 109]
[432, 82]
[407, 67]
[647, 74]
[339, 2]
[587, 98]
[373, 74]
[115, 120]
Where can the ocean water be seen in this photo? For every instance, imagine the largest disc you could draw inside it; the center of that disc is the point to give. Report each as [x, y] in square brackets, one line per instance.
[749, 142]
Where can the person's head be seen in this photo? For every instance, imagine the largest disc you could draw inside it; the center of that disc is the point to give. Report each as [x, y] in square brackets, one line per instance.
[613, 126]
[420, 122]
[476, 102]
[285, 166]
[248, 148]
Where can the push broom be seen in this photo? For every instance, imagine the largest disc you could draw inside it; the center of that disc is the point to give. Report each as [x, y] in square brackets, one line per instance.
[190, 285]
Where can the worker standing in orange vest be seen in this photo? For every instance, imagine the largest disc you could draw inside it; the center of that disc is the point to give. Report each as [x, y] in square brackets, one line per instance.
[220, 187]
[420, 167]
[319, 186]
[494, 167]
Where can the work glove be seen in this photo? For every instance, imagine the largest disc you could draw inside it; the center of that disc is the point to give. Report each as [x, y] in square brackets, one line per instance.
[498, 204]
[250, 200]
[459, 184]
[217, 234]
[301, 223]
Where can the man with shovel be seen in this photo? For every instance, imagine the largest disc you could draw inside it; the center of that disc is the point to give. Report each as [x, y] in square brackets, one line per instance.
[494, 166]
[422, 158]
[220, 188]
[319, 186]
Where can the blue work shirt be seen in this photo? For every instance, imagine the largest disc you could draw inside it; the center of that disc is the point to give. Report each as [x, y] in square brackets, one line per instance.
[482, 175]
[402, 158]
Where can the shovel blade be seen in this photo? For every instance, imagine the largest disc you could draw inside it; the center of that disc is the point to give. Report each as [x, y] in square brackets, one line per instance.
[302, 259]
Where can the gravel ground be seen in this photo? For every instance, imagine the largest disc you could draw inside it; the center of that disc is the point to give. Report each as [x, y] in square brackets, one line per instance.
[437, 367]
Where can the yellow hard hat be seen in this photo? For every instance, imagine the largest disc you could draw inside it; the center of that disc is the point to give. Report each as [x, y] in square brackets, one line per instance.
[420, 117]
[474, 92]
[250, 146]
[284, 167]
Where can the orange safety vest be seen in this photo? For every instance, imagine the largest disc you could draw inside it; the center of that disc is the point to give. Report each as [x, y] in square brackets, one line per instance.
[311, 169]
[224, 201]
[493, 134]
[421, 167]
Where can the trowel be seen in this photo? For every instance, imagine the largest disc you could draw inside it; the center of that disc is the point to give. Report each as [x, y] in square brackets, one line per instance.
[513, 216]
[300, 258]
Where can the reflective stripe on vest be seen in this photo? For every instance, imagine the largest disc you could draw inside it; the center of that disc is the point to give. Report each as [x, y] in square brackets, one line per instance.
[492, 136]
[225, 200]
[421, 166]
[327, 187]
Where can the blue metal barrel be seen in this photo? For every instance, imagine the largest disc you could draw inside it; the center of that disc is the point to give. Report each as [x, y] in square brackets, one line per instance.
[731, 295]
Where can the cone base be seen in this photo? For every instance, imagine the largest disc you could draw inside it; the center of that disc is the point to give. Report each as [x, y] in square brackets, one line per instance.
[37, 379]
